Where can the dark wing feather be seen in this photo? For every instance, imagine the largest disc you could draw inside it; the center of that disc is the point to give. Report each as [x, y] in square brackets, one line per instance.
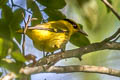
[57, 27]
[44, 28]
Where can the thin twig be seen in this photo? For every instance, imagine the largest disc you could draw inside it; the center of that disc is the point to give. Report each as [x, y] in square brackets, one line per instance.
[26, 25]
[113, 36]
[111, 8]
[25, 29]
[116, 38]
[14, 5]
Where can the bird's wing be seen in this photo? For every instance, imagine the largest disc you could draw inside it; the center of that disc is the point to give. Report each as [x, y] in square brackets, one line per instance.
[50, 27]
[59, 27]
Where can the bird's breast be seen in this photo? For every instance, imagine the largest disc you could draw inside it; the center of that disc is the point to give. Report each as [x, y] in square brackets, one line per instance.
[48, 41]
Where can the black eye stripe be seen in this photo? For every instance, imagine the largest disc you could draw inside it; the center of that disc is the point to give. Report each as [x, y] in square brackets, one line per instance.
[73, 23]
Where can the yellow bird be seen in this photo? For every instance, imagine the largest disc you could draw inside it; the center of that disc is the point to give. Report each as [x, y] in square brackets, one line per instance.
[52, 35]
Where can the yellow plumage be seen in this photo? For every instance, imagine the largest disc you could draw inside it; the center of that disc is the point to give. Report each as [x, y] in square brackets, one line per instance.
[52, 35]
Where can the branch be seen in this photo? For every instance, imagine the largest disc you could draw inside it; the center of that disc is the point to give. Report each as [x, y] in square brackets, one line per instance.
[26, 27]
[113, 36]
[14, 5]
[70, 69]
[52, 59]
[111, 8]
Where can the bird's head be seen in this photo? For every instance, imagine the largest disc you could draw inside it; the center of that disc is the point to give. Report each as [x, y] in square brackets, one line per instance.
[76, 27]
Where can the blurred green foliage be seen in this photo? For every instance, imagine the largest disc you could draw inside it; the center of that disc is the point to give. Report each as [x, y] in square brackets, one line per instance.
[53, 4]
[36, 12]
[18, 57]
[79, 40]
[3, 2]
[99, 24]
[11, 65]
[54, 14]
[1, 74]
[110, 1]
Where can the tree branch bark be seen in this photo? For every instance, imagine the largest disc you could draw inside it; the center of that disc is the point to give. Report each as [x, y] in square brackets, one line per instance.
[70, 69]
[52, 59]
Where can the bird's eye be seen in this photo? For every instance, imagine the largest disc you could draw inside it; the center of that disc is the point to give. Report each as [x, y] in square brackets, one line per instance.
[75, 26]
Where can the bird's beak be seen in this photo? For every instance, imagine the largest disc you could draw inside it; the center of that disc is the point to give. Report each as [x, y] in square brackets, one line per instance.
[82, 32]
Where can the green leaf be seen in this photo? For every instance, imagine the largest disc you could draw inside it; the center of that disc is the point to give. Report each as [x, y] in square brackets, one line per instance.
[4, 22]
[81, 26]
[1, 42]
[5, 47]
[7, 13]
[53, 4]
[18, 57]
[1, 74]
[29, 4]
[36, 12]
[10, 65]
[54, 14]
[4, 29]
[110, 1]
[82, 2]
[3, 2]
[15, 24]
[79, 40]
[15, 47]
